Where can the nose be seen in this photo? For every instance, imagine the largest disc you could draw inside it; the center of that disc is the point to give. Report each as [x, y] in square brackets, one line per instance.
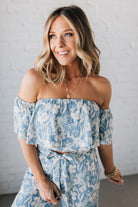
[60, 42]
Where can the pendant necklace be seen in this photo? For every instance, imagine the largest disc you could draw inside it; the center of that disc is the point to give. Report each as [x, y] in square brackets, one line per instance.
[67, 88]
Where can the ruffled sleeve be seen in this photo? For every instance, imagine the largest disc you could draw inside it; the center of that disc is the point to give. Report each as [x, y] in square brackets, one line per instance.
[23, 112]
[106, 126]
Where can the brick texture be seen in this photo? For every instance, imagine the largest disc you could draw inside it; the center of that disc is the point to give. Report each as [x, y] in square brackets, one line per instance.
[115, 26]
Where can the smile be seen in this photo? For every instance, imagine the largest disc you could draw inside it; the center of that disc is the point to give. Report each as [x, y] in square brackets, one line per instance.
[63, 53]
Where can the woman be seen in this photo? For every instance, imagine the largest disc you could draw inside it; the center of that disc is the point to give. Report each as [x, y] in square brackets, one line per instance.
[62, 114]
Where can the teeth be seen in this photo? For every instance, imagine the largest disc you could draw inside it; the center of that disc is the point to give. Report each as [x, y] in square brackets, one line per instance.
[62, 53]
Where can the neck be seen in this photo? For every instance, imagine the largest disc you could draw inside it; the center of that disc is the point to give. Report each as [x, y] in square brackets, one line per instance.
[72, 72]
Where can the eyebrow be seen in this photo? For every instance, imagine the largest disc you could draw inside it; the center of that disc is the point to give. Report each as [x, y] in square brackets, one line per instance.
[63, 31]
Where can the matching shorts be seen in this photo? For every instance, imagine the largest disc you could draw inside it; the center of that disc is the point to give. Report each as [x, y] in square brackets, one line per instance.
[75, 174]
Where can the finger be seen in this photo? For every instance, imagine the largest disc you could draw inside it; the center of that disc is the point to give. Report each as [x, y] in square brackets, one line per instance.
[46, 199]
[119, 173]
[117, 181]
[113, 179]
[49, 201]
[122, 181]
[53, 199]
[57, 192]
[56, 196]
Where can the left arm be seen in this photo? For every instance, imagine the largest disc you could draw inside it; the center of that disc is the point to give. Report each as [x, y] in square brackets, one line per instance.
[106, 156]
[106, 151]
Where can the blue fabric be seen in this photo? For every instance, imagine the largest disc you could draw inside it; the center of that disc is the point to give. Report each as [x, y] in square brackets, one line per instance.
[75, 125]
[76, 175]
[63, 124]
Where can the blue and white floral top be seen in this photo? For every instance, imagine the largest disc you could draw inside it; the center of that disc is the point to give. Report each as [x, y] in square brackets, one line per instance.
[63, 124]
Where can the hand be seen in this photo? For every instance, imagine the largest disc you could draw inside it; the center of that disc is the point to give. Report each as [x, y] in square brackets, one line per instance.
[117, 178]
[49, 191]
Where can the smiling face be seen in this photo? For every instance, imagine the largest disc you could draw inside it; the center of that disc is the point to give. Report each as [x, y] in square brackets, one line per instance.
[62, 42]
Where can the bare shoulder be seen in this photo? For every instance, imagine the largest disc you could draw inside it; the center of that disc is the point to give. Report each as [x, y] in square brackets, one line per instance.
[103, 86]
[103, 81]
[30, 85]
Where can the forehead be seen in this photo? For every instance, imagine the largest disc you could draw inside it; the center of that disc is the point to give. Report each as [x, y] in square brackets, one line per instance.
[60, 23]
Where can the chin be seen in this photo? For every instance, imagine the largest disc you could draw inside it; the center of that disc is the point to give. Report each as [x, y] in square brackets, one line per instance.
[66, 63]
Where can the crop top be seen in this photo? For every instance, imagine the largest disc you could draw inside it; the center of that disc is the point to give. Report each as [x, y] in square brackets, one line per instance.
[63, 124]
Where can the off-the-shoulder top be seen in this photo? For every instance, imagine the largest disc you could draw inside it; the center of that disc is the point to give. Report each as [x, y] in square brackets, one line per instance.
[63, 124]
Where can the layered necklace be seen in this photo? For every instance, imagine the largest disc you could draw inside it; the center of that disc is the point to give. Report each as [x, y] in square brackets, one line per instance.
[68, 91]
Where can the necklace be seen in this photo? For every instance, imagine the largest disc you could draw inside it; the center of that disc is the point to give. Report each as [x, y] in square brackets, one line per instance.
[67, 88]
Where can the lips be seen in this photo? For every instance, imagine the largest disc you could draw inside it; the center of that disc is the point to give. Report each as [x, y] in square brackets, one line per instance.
[63, 53]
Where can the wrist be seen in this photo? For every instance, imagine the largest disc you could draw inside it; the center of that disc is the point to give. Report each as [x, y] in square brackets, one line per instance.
[112, 174]
[41, 178]
[109, 170]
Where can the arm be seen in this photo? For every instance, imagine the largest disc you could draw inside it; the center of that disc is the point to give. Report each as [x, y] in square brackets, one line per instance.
[28, 92]
[46, 187]
[32, 159]
[106, 156]
[106, 151]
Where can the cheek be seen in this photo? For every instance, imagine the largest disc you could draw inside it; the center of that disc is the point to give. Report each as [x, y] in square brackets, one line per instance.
[51, 45]
[73, 46]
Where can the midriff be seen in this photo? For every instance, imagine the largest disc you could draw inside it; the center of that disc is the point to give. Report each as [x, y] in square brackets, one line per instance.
[61, 152]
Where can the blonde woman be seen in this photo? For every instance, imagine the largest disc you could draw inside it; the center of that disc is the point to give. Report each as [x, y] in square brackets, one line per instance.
[61, 115]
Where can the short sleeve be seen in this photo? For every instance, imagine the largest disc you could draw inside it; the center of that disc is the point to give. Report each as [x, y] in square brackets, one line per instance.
[22, 116]
[106, 126]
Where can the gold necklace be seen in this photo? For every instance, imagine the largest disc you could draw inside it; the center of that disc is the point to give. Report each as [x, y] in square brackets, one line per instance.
[67, 88]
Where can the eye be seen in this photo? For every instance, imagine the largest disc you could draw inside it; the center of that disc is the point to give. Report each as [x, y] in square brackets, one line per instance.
[68, 34]
[51, 36]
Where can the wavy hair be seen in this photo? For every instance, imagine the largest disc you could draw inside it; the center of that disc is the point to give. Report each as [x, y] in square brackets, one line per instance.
[86, 49]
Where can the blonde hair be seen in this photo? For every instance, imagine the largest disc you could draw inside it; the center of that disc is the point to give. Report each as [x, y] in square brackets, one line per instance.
[86, 49]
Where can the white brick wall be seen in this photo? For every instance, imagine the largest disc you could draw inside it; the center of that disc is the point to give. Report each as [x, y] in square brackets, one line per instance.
[115, 27]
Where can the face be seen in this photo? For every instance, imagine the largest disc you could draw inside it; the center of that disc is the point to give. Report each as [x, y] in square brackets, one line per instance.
[62, 41]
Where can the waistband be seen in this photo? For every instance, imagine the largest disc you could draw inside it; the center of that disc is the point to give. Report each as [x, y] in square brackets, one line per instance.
[49, 153]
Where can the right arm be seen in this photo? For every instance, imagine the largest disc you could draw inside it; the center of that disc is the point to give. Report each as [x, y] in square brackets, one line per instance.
[46, 187]
[28, 92]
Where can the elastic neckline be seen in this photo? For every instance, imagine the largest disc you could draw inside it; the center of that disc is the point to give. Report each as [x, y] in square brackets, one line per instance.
[63, 99]
[71, 99]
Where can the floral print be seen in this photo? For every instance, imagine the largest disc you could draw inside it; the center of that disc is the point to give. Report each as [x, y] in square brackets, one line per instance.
[76, 125]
